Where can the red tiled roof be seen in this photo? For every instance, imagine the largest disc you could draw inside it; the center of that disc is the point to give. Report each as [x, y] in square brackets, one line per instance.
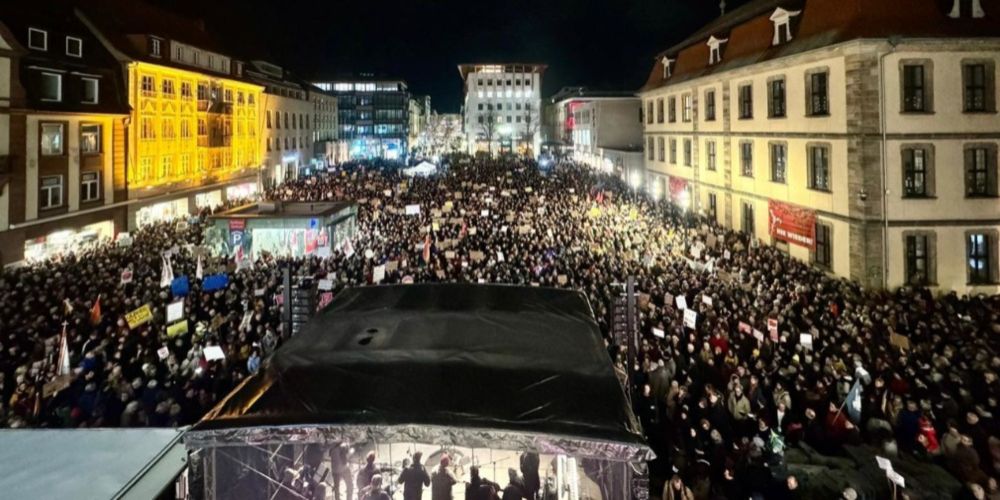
[821, 23]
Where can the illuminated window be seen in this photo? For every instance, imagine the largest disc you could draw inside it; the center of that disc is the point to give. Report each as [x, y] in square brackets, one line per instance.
[819, 168]
[981, 171]
[202, 91]
[228, 95]
[168, 129]
[168, 87]
[186, 90]
[202, 127]
[779, 162]
[746, 159]
[710, 147]
[90, 138]
[165, 164]
[687, 107]
[145, 168]
[146, 131]
[185, 165]
[185, 129]
[981, 251]
[52, 139]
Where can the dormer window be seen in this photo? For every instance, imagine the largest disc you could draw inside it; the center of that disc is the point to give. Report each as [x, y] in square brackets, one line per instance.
[74, 47]
[782, 20]
[154, 47]
[715, 49]
[976, 7]
[668, 67]
[38, 39]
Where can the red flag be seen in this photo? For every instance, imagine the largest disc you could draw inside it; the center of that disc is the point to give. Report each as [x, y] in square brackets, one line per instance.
[464, 231]
[427, 248]
[95, 311]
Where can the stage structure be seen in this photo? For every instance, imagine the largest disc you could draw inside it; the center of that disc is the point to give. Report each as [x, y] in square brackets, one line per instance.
[283, 228]
[514, 382]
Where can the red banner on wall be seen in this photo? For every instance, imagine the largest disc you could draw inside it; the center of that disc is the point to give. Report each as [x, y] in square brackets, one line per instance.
[678, 188]
[792, 224]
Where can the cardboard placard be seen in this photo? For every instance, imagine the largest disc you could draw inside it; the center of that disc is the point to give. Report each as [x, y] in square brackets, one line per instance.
[325, 284]
[659, 333]
[139, 316]
[213, 353]
[682, 302]
[759, 335]
[413, 210]
[176, 329]
[163, 353]
[175, 311]
[707, 300]
[690, 318]
[378, 274]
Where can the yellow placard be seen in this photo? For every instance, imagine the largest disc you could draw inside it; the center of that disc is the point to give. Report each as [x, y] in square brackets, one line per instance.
[178, 328]
[633, 214]
[594, 212]
[139, 316]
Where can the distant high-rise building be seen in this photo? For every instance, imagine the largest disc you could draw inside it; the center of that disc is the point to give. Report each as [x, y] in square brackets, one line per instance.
[502, 108]
[373, 114]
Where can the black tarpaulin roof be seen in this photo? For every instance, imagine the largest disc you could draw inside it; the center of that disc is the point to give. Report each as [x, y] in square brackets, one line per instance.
[501, 358]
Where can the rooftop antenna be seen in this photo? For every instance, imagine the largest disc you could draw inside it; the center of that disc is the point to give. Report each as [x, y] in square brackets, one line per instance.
[722, 7]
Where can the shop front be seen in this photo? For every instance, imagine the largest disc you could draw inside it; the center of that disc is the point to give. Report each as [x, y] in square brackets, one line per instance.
[67, 241]
[241, 192]
[209, 200]
[159, 212]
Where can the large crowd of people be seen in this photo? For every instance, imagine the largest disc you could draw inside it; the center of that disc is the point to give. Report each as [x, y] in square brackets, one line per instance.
[778, 355]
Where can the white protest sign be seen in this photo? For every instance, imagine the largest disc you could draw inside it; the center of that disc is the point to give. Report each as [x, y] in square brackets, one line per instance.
[759, 335]
[378, 274]
[806, 340]
[325, 284]
[707, 300]
[682, 302]
[413, 210]
[214, 352]
[690, 318]
[484, 213]
[726, 255]
[163, 352]
[883, 463]
[659, 333]
[175, 311]
[896, 477]
[126, 276]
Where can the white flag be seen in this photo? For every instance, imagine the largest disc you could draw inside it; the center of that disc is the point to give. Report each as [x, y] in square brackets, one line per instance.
[63, 354]
[167, 276]
[199, 272]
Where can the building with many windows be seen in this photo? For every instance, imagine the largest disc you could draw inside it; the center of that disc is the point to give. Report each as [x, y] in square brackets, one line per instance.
[288, 118]
[62, 122]
[195, 126]
[602, 129]
[328, 149]
[373, 115]
[859, 136]
[502, 108]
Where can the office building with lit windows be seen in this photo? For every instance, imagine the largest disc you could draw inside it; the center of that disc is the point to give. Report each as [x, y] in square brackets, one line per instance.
[373, 115]
[600, 128]
[288, 124]
[194, 137]
[62, 119]
[502, 108]
[856, 135]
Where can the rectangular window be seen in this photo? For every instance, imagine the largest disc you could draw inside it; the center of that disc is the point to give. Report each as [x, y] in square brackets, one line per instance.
[202, 91]
[74, 47]
[90, 139]
[748, 219]
[819, 96]
[90, 186]
[710, 106]
[746, 102]
[979, 247]
[819, 168]
[649, 112]
[713, 206]
[824, 246]
[661, 149]
[148, 86]
[51, 192]
[915, 173]
[38, 39]
[91, 91]
[746, 159]
[710, 147]
[147, 131]
[672, 110]
[673, 151]
[164, 167]
[914, 91]
[776, 103]
[51, 88]
[779, 161]
[687, 152]
[978, 82]
[52, 139]
[154, 47]
[186, 90]
[650, 150]
[980, 171]
[659, 111]
[687, 107]
[917, 269]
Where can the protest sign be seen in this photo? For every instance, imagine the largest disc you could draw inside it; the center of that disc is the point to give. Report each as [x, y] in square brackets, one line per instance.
[325, 284]
[126, 276]
[759, 335]
[180, 286]
[806, 340]
[707, 300]
[378, 274]
[900, 341]
[163, 352]
[562, 279]
[214, 282]
[896, 478]
[413, 210]
[175, 311]
[139, 316]
[324, 299]
[659, 333]
[883, 463]
[690, 318]
[477, 256]
[744, 327]
[682, 302]
[179, 328]
[213, 353]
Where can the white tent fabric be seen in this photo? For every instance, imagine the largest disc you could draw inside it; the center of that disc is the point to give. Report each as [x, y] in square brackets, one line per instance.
[87, 463]
[424, 169]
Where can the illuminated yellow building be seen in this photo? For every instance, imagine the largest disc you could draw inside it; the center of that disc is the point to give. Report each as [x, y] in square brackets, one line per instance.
[195, 127]
[190, 128]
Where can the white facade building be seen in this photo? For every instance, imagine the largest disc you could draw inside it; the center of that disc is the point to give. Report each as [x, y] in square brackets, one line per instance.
[502, 109]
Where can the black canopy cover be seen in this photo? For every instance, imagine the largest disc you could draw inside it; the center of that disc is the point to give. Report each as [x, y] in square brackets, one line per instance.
[487, 365]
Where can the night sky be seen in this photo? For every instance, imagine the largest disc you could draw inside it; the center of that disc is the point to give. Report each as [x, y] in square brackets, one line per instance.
[605, 44]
